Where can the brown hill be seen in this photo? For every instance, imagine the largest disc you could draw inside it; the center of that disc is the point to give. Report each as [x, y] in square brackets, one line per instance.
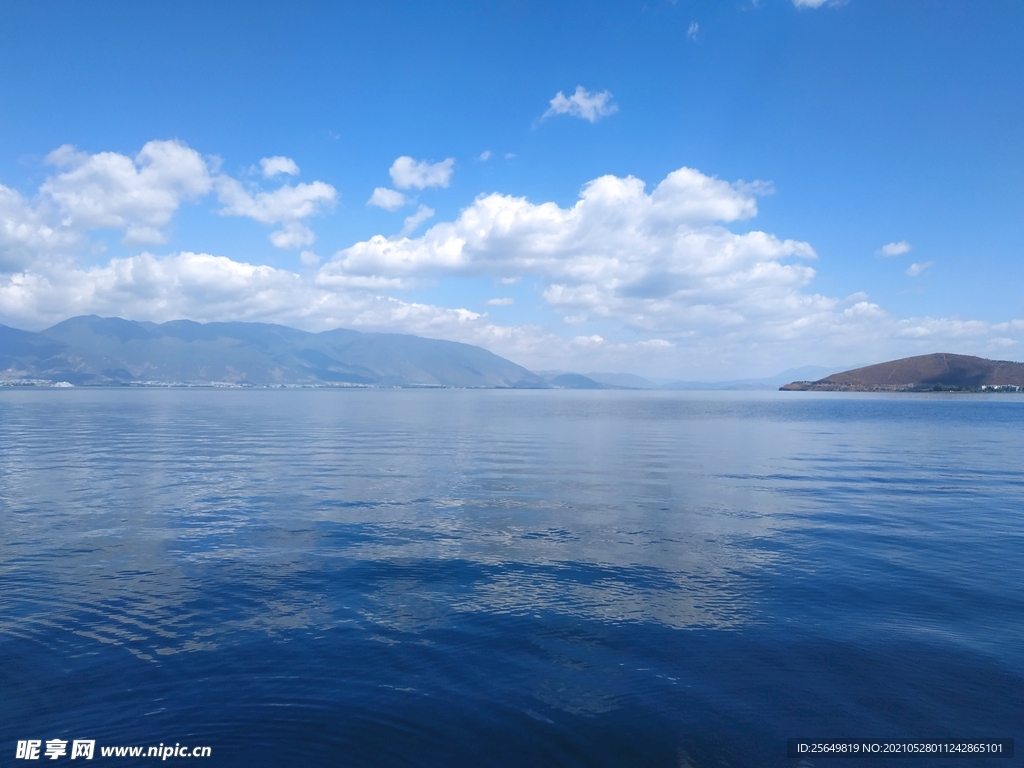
[922, 373]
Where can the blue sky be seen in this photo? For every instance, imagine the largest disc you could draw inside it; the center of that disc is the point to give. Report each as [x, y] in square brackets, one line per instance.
[795, 142]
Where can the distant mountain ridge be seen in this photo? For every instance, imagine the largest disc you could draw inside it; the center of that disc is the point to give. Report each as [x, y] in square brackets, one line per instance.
[112, 351]
[566, 380]
[769, 383]
[939, 371]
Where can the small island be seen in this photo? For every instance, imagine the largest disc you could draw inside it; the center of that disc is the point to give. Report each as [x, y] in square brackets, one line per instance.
[939, 372]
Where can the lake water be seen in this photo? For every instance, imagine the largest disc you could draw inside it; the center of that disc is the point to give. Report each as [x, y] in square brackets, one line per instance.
[509, 578]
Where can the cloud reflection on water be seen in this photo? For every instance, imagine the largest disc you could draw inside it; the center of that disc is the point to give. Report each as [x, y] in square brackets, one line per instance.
[171, 522]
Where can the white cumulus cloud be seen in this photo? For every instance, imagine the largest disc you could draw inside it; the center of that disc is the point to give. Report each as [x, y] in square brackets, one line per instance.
[917, 268]
[293, 234]
[500, 302]
[407, 173]
[654, 262]
[583, 104]
[388, 199]
[412, 222]
[692, 30]
[272, 166]
[895, 249]
[657, 264]
[286, 206]
[139, 195]
[26, 234]
[615, 228]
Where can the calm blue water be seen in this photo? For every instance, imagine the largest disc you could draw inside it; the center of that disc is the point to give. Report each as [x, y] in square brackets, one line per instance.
[487, 578]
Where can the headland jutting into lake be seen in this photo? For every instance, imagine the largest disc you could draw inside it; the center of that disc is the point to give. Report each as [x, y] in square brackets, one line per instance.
[939, 372]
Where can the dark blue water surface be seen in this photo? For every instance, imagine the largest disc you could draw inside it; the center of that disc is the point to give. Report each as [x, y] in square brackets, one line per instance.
[506, 578]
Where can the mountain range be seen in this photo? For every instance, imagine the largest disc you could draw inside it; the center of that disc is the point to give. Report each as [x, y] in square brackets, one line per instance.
[111, 351]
